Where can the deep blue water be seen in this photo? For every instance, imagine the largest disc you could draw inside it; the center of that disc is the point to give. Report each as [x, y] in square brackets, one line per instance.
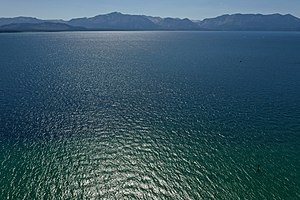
[150, 115]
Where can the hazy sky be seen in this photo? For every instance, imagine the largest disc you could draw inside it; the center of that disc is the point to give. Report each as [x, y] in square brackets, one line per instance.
[194, 9]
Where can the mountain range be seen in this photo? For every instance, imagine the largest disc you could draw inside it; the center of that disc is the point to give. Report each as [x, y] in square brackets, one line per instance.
[119, 21]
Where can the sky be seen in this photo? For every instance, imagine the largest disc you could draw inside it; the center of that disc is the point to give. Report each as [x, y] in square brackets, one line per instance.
[193, 9]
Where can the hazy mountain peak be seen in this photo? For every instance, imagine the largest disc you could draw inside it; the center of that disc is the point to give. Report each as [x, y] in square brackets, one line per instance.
[258, 22]
[115, 13]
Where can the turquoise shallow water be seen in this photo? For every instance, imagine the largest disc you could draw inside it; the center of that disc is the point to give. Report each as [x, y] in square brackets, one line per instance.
[150, 115]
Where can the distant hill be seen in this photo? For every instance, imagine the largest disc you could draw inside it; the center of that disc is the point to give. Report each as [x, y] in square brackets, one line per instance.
[26, 20]
[119, 21]
[252, 22]
[113, 21]
[19, 20]
[179, 24]
[44, 26]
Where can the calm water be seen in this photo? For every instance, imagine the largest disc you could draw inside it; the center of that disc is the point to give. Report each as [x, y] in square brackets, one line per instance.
[150, 115]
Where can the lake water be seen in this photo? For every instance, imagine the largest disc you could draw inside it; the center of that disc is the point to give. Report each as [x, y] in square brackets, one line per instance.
[150, 115]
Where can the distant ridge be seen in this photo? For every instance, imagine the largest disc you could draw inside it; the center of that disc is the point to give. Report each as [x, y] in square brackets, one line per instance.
[119, 21]
[252, 22]
[38, 27]
[113, 21]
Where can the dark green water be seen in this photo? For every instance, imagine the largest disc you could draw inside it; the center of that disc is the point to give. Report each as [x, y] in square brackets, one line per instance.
[150, 115]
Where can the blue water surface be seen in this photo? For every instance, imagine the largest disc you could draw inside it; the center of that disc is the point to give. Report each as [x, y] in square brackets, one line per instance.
[150, 115]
